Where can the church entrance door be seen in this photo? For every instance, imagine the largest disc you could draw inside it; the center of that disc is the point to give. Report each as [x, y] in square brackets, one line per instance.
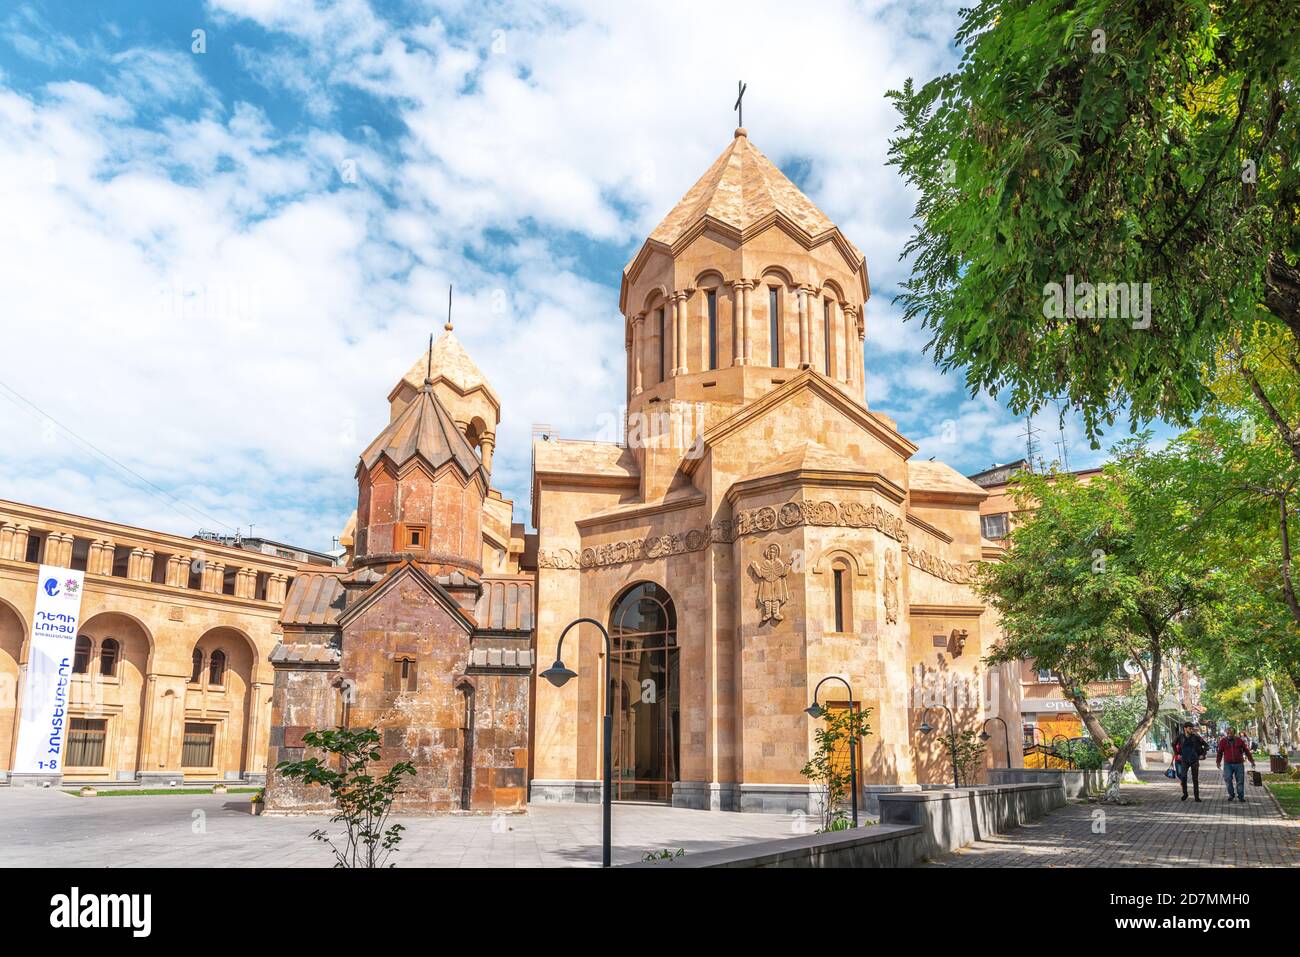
[644, 683]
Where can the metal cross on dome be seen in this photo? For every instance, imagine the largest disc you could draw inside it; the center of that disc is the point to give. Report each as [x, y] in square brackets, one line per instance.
[741, 87]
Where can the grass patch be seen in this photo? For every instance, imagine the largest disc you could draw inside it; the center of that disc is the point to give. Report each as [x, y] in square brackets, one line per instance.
[137, 792]
[1287, 794]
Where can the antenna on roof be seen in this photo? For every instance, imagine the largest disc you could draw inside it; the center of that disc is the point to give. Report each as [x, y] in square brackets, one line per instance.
[448, 325]
[1031, 445]
[1062, 443]
[741, 87]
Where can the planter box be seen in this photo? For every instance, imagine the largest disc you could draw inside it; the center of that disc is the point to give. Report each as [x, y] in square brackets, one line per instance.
[1277, 763]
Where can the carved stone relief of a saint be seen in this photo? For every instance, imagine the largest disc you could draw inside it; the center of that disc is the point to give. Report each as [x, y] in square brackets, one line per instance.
[770, 573]
[891, 588]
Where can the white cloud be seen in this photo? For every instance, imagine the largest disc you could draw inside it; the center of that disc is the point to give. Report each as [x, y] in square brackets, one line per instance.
[206, 297]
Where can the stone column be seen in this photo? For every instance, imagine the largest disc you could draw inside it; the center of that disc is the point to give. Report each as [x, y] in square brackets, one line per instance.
[804, 305]
[178, 571]
[638, 347]
[682, 298]
[22, 534]
[139, 566]
[737, 322]
[486, 443]
[214, 576]
[851, 365]
[246, 583]
[276, 588]
[670, 325]
[7, 531]
[747, 321]
[163, 719]
[256, 747]
[58, 549]
[99, 560]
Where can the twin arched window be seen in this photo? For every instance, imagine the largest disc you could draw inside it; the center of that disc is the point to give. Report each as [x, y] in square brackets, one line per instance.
[110, 653]
[216, 668]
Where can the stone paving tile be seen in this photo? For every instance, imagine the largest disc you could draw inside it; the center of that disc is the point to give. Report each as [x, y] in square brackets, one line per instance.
[1156, 830]
[47, 828]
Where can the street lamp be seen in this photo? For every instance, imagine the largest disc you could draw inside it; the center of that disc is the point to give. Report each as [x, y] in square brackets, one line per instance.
[559, 675]
[1006, 736]
[926, 728]
[815, 710]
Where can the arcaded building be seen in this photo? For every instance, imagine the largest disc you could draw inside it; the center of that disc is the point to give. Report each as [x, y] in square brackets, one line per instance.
[760, 528]
[170, 677]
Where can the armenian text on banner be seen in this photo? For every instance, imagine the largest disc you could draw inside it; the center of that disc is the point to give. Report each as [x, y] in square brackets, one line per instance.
[43, 725]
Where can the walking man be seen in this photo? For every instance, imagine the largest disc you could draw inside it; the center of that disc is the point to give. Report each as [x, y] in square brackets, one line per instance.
[1231, 756]
[1190, 748]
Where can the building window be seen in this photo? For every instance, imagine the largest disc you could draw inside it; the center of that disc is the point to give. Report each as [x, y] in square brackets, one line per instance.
[415, 536]
[838, 574]
[994, 526]
[663, 372]
[81, 656]
[405, 675]
[217, 669]
[109, 652]
[826, 332]
[196, 666]
[774, 324]
[86, 737]
[1046, 676]
[712, 297]
[200, 745]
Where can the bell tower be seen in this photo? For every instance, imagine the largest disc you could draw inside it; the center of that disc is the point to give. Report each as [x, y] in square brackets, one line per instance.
[743, 285]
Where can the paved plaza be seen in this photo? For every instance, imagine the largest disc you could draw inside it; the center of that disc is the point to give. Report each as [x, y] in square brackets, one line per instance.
[51, 828]
[42, 828]
[1156, 830]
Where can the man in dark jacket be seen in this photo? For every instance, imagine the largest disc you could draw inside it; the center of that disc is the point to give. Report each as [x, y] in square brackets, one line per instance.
[1190, 747]
[1232, 754]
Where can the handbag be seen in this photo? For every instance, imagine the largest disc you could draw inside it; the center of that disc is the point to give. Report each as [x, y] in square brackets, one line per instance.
[1170, 772]
[1256, 778]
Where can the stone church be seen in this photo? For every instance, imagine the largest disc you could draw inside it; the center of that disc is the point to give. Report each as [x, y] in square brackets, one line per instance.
[759, 528]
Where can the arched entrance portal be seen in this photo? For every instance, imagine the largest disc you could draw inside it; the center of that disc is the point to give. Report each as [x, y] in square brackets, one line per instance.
[644, 688]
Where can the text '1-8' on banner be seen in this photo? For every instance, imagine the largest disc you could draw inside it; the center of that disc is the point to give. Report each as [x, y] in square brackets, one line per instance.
[44, 722]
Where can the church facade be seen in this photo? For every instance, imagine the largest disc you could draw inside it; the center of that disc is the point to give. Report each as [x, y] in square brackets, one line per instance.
[760, 529]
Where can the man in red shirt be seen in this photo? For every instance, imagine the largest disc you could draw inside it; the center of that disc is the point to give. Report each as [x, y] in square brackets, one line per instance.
[1231, 756]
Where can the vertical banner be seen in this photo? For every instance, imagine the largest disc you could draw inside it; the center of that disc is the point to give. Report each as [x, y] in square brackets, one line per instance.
[44, 721]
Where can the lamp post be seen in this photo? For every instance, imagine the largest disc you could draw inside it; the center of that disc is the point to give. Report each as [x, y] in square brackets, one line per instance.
[815, 710]
[952, 732]
[559, 675]
[1006, 735]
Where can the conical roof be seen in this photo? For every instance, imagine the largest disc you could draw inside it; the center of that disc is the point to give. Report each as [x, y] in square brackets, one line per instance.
[450, 361]
[741, 188]
[424, 428]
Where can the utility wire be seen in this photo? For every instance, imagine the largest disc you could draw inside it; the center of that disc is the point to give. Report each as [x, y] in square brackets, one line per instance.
[162, 494]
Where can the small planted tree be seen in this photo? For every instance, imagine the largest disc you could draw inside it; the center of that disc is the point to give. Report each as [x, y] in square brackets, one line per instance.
[362, 801]
[967, 755]
[829, 766]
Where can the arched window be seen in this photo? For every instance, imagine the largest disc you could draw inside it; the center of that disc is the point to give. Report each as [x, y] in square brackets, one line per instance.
[109, 652]
[196, 666]
[644, 688]
[841, 596]
[217, 668]
[712, 299]
[81, 656]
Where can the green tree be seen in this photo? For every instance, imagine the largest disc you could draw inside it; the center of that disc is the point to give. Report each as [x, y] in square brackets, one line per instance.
[840, 730]
[967, 757]
[1090, 580]
[362, 801]
[1112, 141]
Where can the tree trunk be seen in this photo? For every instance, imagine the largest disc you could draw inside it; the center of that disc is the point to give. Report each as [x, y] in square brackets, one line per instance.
[1086, 714]
[1125, 751]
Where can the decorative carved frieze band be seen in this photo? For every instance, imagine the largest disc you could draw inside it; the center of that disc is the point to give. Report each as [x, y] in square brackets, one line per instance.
[748, 522]
[959, 573]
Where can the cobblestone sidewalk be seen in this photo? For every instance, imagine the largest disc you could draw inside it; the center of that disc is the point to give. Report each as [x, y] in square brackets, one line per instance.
[1156, 830]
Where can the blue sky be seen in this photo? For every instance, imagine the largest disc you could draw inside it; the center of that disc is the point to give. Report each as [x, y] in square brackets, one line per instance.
[223, 258]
